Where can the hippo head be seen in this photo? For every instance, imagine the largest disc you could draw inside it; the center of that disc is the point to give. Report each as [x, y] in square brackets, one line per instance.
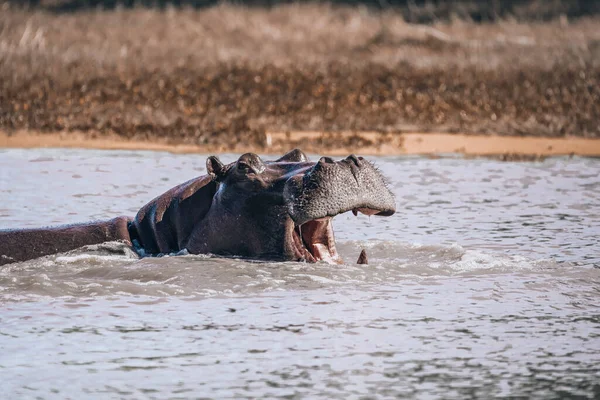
[273, 210]
[283, 209]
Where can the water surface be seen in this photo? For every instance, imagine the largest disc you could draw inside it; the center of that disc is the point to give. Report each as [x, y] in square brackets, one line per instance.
[485, 283]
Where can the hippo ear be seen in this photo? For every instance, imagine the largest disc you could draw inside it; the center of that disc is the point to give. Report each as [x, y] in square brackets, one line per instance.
[295, 155]
[215, 168]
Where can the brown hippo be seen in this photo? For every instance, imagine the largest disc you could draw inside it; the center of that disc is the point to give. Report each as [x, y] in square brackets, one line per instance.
[273, 210]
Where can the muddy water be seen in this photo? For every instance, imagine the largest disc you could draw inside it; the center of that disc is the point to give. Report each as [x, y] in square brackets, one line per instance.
[486, 283]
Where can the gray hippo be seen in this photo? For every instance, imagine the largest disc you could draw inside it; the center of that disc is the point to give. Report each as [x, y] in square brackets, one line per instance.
[267, 210]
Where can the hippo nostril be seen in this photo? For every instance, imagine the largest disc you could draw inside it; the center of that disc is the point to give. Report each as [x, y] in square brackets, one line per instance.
[354, 159]
[326, 160]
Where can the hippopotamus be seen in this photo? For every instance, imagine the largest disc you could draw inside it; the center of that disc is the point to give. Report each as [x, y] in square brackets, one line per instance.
[266, 210]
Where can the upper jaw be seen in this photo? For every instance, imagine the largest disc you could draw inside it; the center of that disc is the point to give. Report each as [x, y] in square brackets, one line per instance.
[330, 188]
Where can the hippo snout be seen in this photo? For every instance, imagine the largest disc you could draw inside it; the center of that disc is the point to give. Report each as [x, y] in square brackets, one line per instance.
[333, 187]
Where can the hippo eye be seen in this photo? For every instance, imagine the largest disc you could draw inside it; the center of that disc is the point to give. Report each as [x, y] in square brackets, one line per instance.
[242, 166]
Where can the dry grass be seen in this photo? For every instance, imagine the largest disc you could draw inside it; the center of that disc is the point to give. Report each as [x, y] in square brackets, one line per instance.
[283, 36]
[198, 76]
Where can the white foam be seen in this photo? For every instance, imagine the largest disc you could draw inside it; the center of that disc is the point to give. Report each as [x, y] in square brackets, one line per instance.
[83, 273]
[87, 257]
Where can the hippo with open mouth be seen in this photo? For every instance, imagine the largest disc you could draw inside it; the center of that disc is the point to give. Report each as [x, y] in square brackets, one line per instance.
[267, 210]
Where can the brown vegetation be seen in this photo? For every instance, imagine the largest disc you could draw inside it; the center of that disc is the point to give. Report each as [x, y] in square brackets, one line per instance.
[228, 74]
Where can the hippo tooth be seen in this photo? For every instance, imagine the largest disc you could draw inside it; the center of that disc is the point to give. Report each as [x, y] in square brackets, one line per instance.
[362, 258]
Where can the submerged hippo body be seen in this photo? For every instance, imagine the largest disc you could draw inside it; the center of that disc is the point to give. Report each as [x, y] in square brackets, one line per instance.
[274, 210]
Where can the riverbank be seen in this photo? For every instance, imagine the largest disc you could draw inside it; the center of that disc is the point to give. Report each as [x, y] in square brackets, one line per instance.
[342, 143]
[226, 76]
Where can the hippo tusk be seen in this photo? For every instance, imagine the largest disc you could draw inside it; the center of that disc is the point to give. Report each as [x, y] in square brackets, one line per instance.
[362, 258]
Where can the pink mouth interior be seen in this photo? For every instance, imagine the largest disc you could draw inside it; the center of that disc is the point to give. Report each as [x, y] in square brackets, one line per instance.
[314, 241]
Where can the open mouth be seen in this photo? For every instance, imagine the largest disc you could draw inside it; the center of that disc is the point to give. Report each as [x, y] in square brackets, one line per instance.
[314, 241]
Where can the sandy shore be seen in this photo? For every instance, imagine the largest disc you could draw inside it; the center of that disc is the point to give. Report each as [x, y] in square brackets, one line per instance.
[367, 143]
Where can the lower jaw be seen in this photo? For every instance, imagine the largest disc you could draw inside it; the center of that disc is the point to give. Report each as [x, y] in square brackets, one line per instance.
[302, 254]
[321, 252]
[323, 246]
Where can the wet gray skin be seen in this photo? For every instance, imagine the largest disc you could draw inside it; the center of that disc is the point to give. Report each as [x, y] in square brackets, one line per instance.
[330, 188]
[275, 210]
